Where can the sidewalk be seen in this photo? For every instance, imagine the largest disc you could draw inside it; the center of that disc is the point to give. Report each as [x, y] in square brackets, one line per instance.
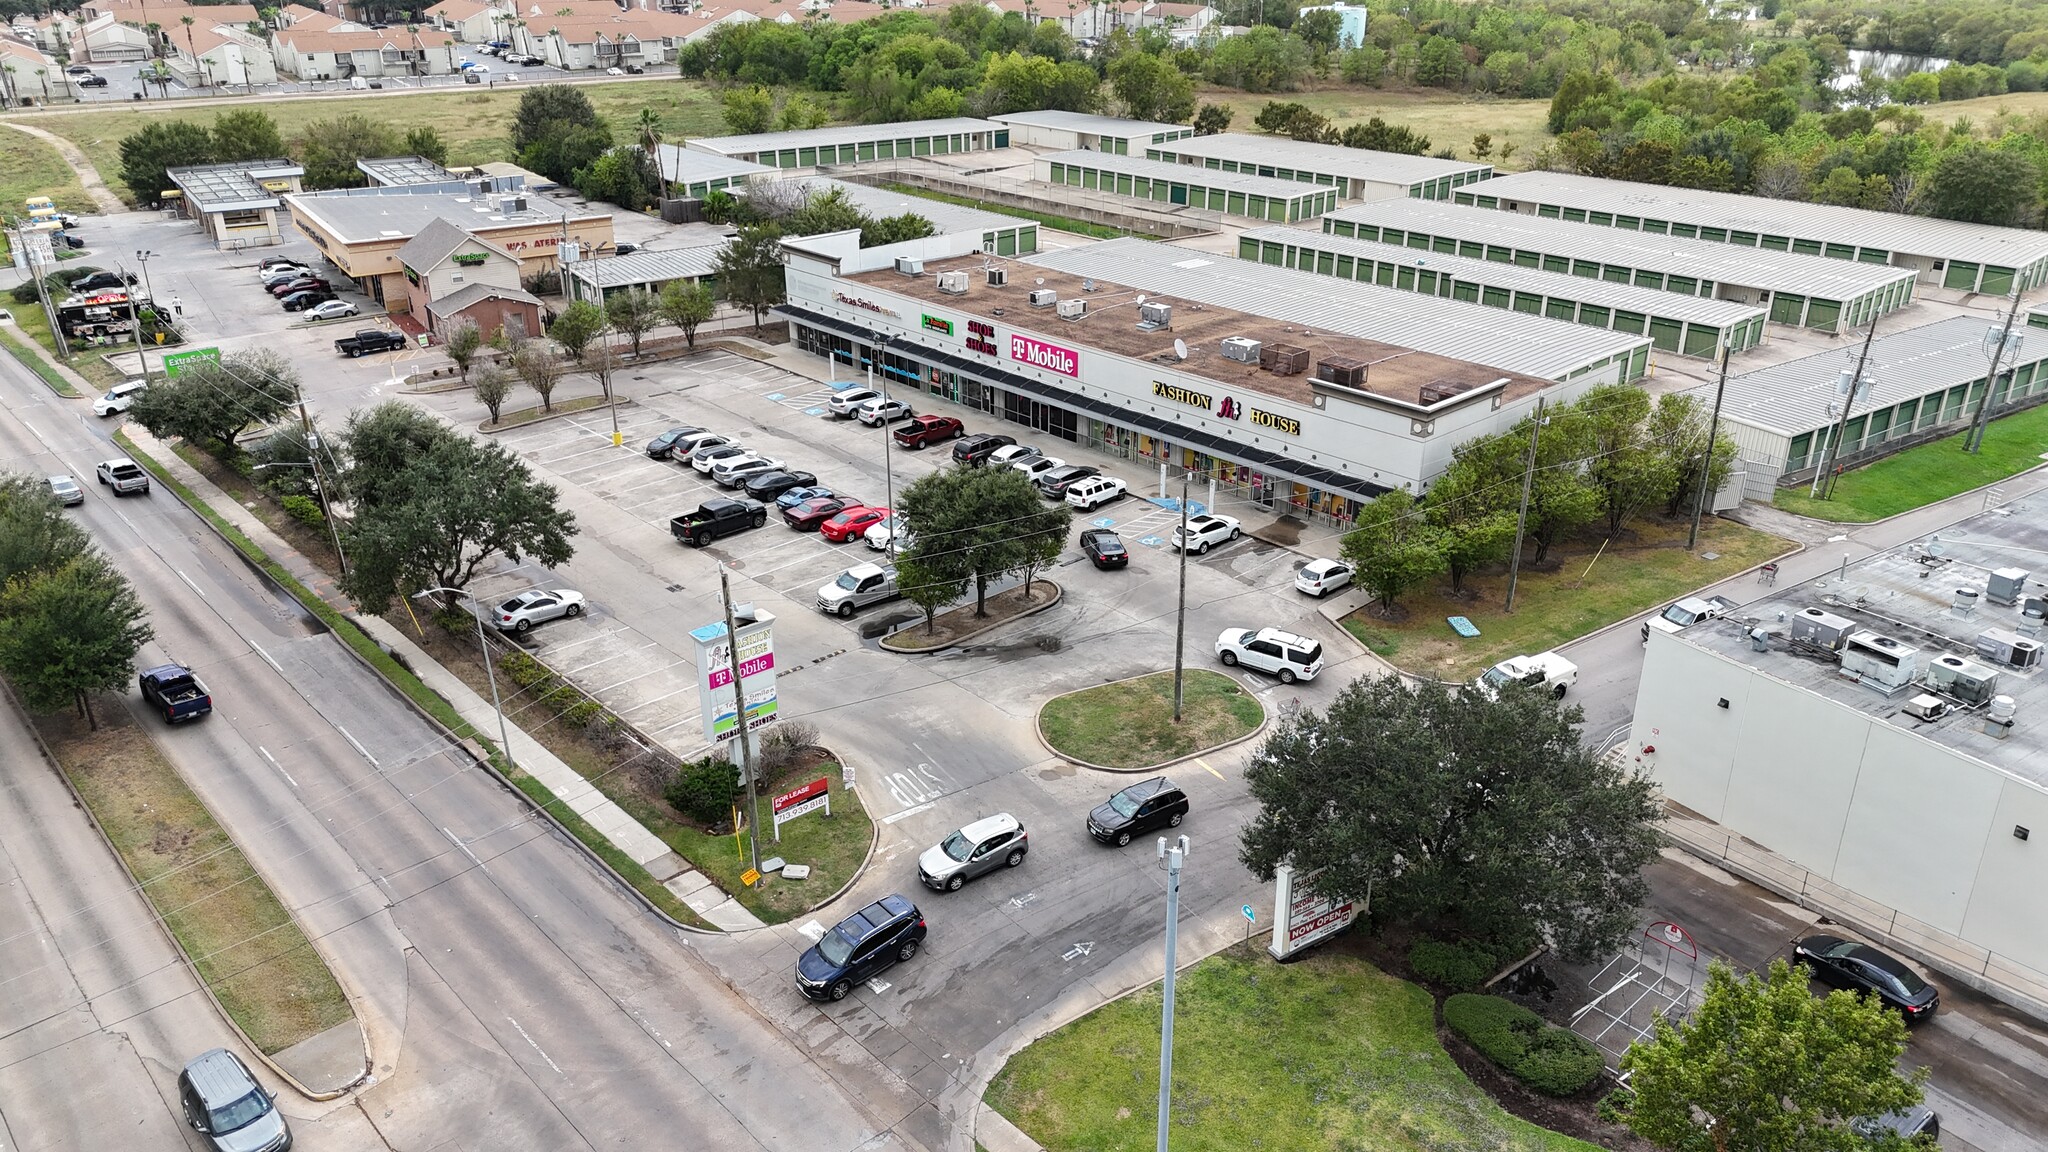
[628, 835]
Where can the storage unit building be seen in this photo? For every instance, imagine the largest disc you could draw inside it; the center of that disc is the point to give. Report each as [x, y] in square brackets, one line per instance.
[693, 175]
[1688, 325]
[999, 234]
[1069, 130]
[1231, 193]
[1948, 253]
[1805, 291]
[1357, 173]
[853, 143]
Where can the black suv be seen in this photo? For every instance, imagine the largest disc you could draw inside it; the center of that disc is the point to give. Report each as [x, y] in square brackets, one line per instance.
[859, 946]
[975, 450]
[1148, 804]
[1053, 483]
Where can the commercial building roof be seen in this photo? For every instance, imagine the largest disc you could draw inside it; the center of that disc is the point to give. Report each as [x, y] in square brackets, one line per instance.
[394, 170]
[228, 187]
[1334, 159]
[366, 215]
[947, 219]
[1513, 341]
[1821, 276]
[649, 267]
[1267, 186]
[837, 135]
[687, 166]
[1085, 122]
[1672, 305]
[469, 294]
[1891, 231]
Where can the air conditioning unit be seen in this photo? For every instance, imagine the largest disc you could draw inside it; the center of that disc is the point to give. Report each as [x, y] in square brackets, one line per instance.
[1152, 317]
[1879, 662]
[1073, 309]
[1044, 298]
[1821, 629]
[1342, 371]
[997, 277]
[910, 266]
[953, 283]
[1924, 707]
[512, 204]
[1283, 359]
[2005, 586]
[2004, 647]
[1242, 349]
[1966, 680]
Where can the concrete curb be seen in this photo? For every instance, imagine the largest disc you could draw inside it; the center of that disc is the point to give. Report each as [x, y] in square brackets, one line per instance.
[1265, 720]
[1058, 594]
[551, 417]
[874, 841]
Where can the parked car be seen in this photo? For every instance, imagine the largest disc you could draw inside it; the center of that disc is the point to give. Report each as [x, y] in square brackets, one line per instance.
[1688, 612]
[734, 471]
[796, 496]
[687, 445]
[710, 455]
[974, 450]
[1283, 654]
[1095, 491]
[1010, 455]
[1053, 484]
[889, 536]
[1861, 968]
[369, 341]
[78, 70]
[1205, 532]
[1319, 578]
[858, 587]
[66, 490]
[332, 310]
[1909, 1123]
[879, 410]
[271, 264]
[997, 841]
[175, 691]
[886, 932]
[1104, 549]
[852, 523]
[223, 1102]
[91, 80]
[634, 69]
[716, 518]
[279, 273]
[664, 445]
[102, 282]
[1138, 809]
[123, 476]
[300, 301]
[538, 607]
[299, 284]
[769, 486]
[615, 71]
[120, 397]
[811, 514]
[1543, 670]
[847, 400]
[1035, 466]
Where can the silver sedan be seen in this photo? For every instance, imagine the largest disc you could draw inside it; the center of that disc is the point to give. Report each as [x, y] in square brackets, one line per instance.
[542, 604]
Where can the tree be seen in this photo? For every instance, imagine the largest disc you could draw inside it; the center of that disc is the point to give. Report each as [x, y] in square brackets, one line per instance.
[799, 113]
[188, 22]
[427, 144]
[211, 403]
[1630, 469]
[1379, 136]
[446, 513]
[1457, 810]
[540, 368]
[1261, 60]
[1679, 428]
[563, 149]
[492, 386]
[464, 341]
[876, 232]
[987, 521]
[71, 632]
[544, 108]
[245, 134]
[1763, 1064]
[147, 154]
[1319, 28]
[687, 306]
[1013, 82]
[329, 149]
[931, 581]
[1482, 146]
[35, 534]
[1476, 513]
[750, 269]
[749, 110]
[648, 133]
[1440, 63]
[1151, 88]
[1394, 548]
[1213, 119]
[1983, 185]
[621, 176]
[633, 314]
[579, 324]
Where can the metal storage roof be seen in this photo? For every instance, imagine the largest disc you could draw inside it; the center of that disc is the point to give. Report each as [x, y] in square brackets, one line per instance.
[1086, 122]
[645, 267]
[947, 219]
[227, 187]
[689, 166]
[1822, 276]
[839, 134]
[389, 170]
[1270, 187]
[1497, 337]
[1891, 231]
[1672, 305]
[1334, 159]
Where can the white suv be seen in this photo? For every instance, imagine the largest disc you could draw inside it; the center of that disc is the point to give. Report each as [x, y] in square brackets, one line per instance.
[1095, 490]
[119, 398]
[1283, 654]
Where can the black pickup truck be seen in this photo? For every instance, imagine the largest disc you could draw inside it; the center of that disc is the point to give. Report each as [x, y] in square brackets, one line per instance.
[174, 690]
[715, 518]
[368, 340]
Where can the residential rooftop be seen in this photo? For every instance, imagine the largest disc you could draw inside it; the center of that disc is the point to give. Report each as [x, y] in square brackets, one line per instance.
[1329, 159]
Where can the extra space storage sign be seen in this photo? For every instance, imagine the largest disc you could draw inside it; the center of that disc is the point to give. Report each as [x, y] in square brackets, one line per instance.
[1039, 354]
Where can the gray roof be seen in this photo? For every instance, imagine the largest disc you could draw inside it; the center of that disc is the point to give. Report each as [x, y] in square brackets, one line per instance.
[1794, 397]
[1891, 231]
[645, 267]
[1085, 122]
[366, 214]
[1331, 159]
[1267, 186]
[839, 134]
[471, 293]
[689, 166]
[1475, 333]
[1671, 305]
[432, 244]
[228, 187]
[947, 219]
[391, 170]
[1822, 276]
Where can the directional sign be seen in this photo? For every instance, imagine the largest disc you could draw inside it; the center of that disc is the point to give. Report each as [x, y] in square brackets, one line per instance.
[1249, 914]
[1081, 949]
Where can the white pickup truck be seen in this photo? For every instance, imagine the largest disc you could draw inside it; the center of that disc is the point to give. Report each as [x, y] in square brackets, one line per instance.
[1688, 612]
[1545, 669]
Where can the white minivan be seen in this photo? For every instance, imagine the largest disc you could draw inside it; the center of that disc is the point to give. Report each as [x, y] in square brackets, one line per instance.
[118, 398]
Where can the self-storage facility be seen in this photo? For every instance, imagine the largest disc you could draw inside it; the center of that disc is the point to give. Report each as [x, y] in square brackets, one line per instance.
[1804, 291]
[1232, 193]
[695, 174]
[1356, 173]
[852, 143]
[1070, 130]
[1688, 325]
[1948, 253]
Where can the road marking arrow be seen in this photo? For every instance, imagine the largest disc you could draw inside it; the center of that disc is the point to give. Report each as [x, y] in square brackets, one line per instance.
[1081, 949]
[1020, 901]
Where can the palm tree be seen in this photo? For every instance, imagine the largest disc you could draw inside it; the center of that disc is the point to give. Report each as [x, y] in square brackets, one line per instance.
[187, 21]
[650, 143]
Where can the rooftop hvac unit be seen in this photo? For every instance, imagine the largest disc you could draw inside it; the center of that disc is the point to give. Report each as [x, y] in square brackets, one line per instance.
[910, 265]
[1044, 297]
[2005, 586]
[997, 277]
[1822, 629]
[1924, 707]
[1438, 391]
[511, 204]
[953, 283]
[1879, 662]
[1073, 309]
[1153, 317]
[2002, 647]
[1965, 680]
[1283, 359]
[1341, 370]
[1242, 349]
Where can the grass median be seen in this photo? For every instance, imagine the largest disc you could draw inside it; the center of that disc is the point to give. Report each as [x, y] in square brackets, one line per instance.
[1920, 476]
[1325, 1053]
[1129, 724]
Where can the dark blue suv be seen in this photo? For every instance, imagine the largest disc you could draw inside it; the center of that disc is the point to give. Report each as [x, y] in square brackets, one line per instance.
[859, 946]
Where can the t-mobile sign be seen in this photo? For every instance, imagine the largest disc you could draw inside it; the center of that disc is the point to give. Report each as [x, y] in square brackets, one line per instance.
[1039, 354]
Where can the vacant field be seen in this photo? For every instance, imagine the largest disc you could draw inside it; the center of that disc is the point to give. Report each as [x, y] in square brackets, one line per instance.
[1449, 119]
[29, 167]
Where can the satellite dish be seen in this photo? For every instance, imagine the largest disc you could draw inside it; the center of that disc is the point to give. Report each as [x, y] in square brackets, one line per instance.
[1040, 281]
[1141, 297]
[1088, 285]
[1180, 349]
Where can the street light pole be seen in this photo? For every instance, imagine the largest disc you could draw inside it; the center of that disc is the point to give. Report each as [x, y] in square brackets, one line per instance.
[1180, 616]
[143, 256]
[135, 321]
[875, 348]
[1173, 857]
[504, 741]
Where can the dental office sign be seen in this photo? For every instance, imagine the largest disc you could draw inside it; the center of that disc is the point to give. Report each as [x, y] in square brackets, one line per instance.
[715, 696]
[1039, 354]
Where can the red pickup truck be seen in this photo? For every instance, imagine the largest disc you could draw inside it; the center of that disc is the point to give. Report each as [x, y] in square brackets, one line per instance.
[919, 431]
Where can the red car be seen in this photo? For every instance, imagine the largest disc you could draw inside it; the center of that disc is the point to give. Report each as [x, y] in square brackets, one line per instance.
[852, 523]
[807, 516]
[299, 285]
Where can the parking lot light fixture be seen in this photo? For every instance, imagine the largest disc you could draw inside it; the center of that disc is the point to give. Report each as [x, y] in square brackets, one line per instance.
[1171, 858]
[504, 741]
[881, 341]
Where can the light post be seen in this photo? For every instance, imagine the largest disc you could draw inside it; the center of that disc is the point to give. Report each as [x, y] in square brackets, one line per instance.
[1171, 858]
[880, 342]
[1180, 614]
[504, 741]
[135, 321]
[143, 256]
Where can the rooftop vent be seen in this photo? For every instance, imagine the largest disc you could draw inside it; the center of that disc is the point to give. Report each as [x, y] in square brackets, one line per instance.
[1283, 359]
[909, 266]
[953, 283]
[1044, 297]
[1242, 349]
[1965, 602]
[1438, 391]
[1998, 719]
[1343, 371]
[1073, 309]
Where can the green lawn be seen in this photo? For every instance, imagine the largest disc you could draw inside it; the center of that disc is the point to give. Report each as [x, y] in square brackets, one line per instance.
[1325, 1053]
[29, 167]
[1931, 472]
[1129, 724]
[1449, 119]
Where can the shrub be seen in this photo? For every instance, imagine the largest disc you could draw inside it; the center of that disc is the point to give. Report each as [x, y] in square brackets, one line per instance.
[1613, 1107]
[1554, 1061]
[524, 670]
[781, 744]
[1460, 967]
[704, 790]
[1560, 1063]
[562, 697]
[581, 715]
[304, 509]
[455, 622]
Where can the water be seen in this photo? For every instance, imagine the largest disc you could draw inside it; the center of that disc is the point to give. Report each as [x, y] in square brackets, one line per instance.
[1885, 65]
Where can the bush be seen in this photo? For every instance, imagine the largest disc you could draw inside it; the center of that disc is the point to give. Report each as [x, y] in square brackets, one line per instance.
[524, 670]
[1554, 1061]
[1613, 1107]
[304, 509]
[581, 715]
[1460, 967]
[1560, 1063]
[781, 745]
[704, 790]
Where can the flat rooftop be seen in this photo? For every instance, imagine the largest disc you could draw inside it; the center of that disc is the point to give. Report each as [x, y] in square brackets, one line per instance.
[394, 170]
[1396, 372]
[367, 215]
[947, 219]
[1906, 594]
[226, 187]
[840, 134]
[1329, 159]
[1088, 122]
[1270, 187]
[688, 166]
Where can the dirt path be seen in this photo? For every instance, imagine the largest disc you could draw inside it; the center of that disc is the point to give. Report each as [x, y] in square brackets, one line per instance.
[87, 174]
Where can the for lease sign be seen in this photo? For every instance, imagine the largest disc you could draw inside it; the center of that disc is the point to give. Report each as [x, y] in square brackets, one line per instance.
[1039, 354]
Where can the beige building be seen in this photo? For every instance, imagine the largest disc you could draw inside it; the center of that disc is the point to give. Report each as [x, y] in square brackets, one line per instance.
[239, 205]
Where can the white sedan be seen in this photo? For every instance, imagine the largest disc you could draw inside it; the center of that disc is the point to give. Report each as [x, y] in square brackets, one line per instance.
[1205, 532]
[734, 472]
[1322, 577]
[331, 310]
[887, 536]
[542, 604]
[843, 403]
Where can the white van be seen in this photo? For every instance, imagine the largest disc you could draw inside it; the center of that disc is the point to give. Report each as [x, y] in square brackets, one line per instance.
[118, 398]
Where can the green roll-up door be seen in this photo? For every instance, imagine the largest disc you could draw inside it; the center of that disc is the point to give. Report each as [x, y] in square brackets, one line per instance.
[1465, 290]
[1701, 340]
[1647, 279]
[1275, 255]
[1632, 223]
[867, 152]
[1685, 231]
[1614, 274]
[1419, 240]
[1326, 263]
[1180, 194]
[1448, 245]
[1666, 334]
[1638, 363]
[1383, 274]
[1873, 256]
[1559, 264]
[1405, 279]
[807, 157]
[1786, 307]
[1808, 247]
[1777, 243]
[1059, 173]
[1247, 248]
[1718, 235]
[1840, 251]
[1558, 309]
[1684, 284]
[1997, 281]
[922, 145]
[1027, 239]
[1796, 458]
[1347, 268]
[1527, 259]
[1594, 315]
[1590, 269]
[1426, 283]
[1499, 255]
[1634, 323]
[1497, 297]
[1825, 315]
[1472, 248]
[1528, 302]
[1006, 242]
[1547, 211]
[1236, 204]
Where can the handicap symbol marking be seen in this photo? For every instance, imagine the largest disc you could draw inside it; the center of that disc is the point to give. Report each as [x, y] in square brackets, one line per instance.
[1150, 541]
[1103, 522]
[1172, 504]
[814, 411]
[775, 395]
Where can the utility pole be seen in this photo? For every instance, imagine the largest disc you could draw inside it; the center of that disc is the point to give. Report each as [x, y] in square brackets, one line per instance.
[320, 480]
[1998, 345]
[1173, 857]
[739, 712]
[1180, 637]
[1522, 514]
[135, 321]
[1832, 450]
[875, 347]
[1699, 504]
